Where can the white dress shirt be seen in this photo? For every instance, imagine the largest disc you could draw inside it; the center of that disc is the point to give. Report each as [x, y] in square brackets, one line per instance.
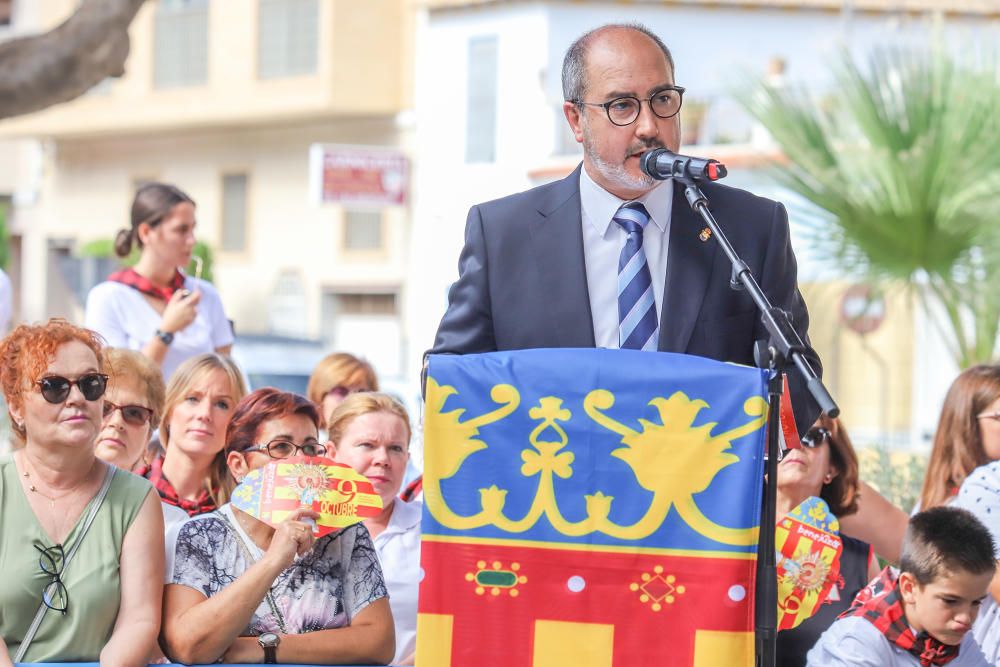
[398, 548]
[602, 246]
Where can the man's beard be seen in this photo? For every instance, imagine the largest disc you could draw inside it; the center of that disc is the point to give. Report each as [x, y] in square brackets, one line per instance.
[616, 173]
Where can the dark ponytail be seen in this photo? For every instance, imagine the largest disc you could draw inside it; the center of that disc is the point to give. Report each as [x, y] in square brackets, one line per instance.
[123, 242]
[153, 202]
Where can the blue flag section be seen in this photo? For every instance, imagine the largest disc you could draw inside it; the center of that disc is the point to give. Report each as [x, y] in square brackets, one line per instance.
[592, 507]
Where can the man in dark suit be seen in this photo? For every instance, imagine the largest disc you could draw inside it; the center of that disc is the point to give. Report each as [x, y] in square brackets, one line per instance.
[560, 265]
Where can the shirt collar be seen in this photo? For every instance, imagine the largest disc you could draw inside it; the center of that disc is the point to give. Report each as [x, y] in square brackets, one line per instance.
[600, 205]
[405, 515]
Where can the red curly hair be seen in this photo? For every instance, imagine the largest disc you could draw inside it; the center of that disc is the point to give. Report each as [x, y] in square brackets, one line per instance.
[29, 349]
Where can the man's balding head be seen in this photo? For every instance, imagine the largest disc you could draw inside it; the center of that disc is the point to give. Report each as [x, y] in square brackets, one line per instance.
[574, 70]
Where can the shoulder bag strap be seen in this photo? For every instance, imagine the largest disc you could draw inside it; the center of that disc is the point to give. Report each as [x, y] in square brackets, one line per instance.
[88, 520]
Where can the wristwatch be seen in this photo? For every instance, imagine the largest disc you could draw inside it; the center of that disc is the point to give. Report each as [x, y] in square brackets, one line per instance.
[269, 642]
[165, 336]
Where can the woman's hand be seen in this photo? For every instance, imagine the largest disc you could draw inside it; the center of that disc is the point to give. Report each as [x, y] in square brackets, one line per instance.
[180, 311]
[291, 537]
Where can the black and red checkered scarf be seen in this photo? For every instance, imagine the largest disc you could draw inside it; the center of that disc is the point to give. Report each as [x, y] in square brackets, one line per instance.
[154, 473]
[881, 604]
[132, 278]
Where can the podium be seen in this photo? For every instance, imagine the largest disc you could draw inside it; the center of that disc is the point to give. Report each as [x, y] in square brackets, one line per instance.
[590, 508]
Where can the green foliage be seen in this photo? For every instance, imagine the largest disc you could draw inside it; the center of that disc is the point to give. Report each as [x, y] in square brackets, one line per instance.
[106, 248]
[4, 238]
[902, 158]
[897, 475]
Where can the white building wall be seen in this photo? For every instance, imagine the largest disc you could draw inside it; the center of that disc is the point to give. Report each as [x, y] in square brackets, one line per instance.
[716, 49]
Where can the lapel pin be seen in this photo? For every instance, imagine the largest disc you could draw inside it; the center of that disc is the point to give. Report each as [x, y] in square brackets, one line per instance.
[705, 234]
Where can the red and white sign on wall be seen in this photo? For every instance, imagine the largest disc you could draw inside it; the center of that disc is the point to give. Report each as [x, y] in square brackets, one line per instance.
[365, 175]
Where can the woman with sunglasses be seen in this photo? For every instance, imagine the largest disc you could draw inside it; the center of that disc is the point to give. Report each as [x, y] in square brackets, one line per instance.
[371, 433]
[81, 546]
[133, 404]
[335, 377]
[243, 591]
[201, 396]
[153, 307]
[825, 467]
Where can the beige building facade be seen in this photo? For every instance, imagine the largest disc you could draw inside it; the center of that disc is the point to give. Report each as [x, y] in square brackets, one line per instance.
[225, 99]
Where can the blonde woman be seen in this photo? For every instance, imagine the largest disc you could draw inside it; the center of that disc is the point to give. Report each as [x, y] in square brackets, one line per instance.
[371, 433]
[335, 378]
[201, 396]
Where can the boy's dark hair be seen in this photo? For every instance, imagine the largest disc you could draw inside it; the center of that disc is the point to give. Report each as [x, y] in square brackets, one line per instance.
[943, 540]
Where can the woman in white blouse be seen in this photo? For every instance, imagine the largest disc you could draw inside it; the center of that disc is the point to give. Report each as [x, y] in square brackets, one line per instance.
[371, 433]
[153, 307]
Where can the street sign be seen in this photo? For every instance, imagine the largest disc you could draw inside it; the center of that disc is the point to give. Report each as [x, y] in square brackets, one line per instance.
[862, 309]
[361, 175]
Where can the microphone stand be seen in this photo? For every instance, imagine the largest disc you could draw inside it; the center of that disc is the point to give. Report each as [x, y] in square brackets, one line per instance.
[785, 345]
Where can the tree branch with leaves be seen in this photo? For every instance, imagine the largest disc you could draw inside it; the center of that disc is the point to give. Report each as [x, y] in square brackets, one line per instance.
[900, 161]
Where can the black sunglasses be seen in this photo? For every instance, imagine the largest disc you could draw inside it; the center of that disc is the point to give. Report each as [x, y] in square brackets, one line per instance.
[134, 415]
[54, 595]
[55, 388]
[815, 437]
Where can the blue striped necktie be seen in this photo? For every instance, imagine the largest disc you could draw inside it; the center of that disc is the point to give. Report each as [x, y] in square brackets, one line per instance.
[637, 321]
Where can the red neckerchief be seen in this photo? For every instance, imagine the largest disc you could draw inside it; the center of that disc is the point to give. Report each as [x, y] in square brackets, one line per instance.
[129, 276]
[154, 473]
[881, 604]
[413, 489]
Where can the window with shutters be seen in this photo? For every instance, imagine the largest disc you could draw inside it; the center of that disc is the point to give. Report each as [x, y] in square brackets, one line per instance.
[180, 39]
[481, 119]
[287, 38]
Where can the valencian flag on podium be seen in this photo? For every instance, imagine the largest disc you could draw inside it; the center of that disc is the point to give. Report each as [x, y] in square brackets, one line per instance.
[590, 508]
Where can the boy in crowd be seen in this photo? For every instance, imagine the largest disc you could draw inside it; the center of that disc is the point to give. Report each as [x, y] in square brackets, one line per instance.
[923, 615]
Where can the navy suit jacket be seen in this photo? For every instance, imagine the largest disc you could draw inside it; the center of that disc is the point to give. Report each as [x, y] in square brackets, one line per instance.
[522, 279]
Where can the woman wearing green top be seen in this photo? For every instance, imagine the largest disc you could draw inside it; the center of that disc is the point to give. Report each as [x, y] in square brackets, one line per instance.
[87, 535]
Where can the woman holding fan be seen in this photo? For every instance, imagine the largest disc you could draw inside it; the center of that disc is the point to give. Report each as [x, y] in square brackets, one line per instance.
[244, 591]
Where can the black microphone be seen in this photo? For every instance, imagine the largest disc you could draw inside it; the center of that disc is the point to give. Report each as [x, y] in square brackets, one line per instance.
[662, 164]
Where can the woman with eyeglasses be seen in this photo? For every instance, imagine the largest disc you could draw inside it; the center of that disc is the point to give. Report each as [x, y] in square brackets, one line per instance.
[371, 433]
[335, 377]
[967, 436]
[825, 467]
[153, 307]
[243, 591]
[81, 545]
[201, 397]
[133, 404]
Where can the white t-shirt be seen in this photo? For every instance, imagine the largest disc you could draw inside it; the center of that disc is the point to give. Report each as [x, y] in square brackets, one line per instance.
[173, 518]
[398, 548]
[980, 494]
[855, 642]
[123, 316]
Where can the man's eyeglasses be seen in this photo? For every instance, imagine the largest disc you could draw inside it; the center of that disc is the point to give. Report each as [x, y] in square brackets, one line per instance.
[54, 595]
[815, 437]
[664, 103]
[282, 449]
[56, 388]
[134, 415]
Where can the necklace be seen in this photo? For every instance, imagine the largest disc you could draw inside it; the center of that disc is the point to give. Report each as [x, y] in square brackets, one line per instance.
[53, 499]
